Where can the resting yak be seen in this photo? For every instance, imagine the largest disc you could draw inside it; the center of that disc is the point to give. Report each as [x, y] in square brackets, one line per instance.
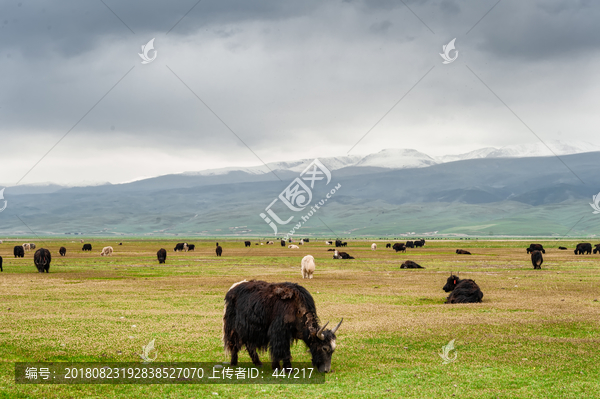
[536, 247]
[537, 259]
[19, 252]
[463, 291]
[341, 255]
[409, 264]
[42, 259]
[399, 247]
[62, 251]
[583, 248]
[219, 250]
[87, 247]
[261, 316]
[563, 248]
[161, 255]
[462, 252]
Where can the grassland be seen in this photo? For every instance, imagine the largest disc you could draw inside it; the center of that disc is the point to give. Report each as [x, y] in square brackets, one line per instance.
[536, 334]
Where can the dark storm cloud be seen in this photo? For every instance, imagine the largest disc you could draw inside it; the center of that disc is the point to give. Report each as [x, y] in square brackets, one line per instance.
[287, 77]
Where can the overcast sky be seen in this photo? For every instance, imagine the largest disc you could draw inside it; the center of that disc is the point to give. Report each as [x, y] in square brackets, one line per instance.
[292, 79]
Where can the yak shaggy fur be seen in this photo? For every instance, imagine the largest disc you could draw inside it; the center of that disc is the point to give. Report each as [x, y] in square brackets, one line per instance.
[272, 316]
[463, 291]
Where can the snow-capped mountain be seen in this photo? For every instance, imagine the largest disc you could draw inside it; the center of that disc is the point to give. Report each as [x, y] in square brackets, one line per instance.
[397, 158]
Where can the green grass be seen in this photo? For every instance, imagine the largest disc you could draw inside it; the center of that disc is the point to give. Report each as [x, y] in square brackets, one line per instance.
[536, 334]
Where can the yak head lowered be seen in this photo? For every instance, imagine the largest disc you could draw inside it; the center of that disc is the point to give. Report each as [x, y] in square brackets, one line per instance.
[451, 283]
[322, 345]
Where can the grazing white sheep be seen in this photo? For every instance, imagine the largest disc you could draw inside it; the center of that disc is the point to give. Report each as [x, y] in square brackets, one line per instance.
[26, 247]
[308, 266]
[106, 251]
[373, 247]
[293, 247]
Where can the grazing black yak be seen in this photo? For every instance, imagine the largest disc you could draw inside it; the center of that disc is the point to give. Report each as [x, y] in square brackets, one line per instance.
[583, 248]
[1, 270]
[409, 264]
[341, 255]
[537, 259]
[596, 248]
[563, 248]
[261, 316]
[399, 247]
[462, 252]
[42, 259]
[388, 245]
[161, 255]
[463, 291]
[247, 243]
[307, 240]
[87, 247]
[283, 243]
[18, 251]
[62, 251]
[536, 247]
[410, 244]
[419, 243]
[180, 246]
[219, 250]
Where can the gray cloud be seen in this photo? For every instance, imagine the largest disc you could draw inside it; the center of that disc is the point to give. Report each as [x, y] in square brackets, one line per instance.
[291, 79]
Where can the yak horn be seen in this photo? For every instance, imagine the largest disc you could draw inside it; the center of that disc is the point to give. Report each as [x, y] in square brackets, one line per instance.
[338, 326]
[320, 332]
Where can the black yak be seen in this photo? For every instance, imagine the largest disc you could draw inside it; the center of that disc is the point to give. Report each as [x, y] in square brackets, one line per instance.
[341, 255]
[247, 243]
[338, 243]
[409, 264]
[388, 245]
[62, 251]
[42, 259]
[410, 244]
[463, 291]
[219, 250]
[1, 270]
[307, 240]
[180, 246]
[87, 247]
[283, 243]
[191, 247]
[419, 243]
[161, 255]
[536, 247]
[462, 252]
[18, 251]
[563, 248]
[596, 248]
[583, 248]
[537, 259]
[260, 316]
[399, 247]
